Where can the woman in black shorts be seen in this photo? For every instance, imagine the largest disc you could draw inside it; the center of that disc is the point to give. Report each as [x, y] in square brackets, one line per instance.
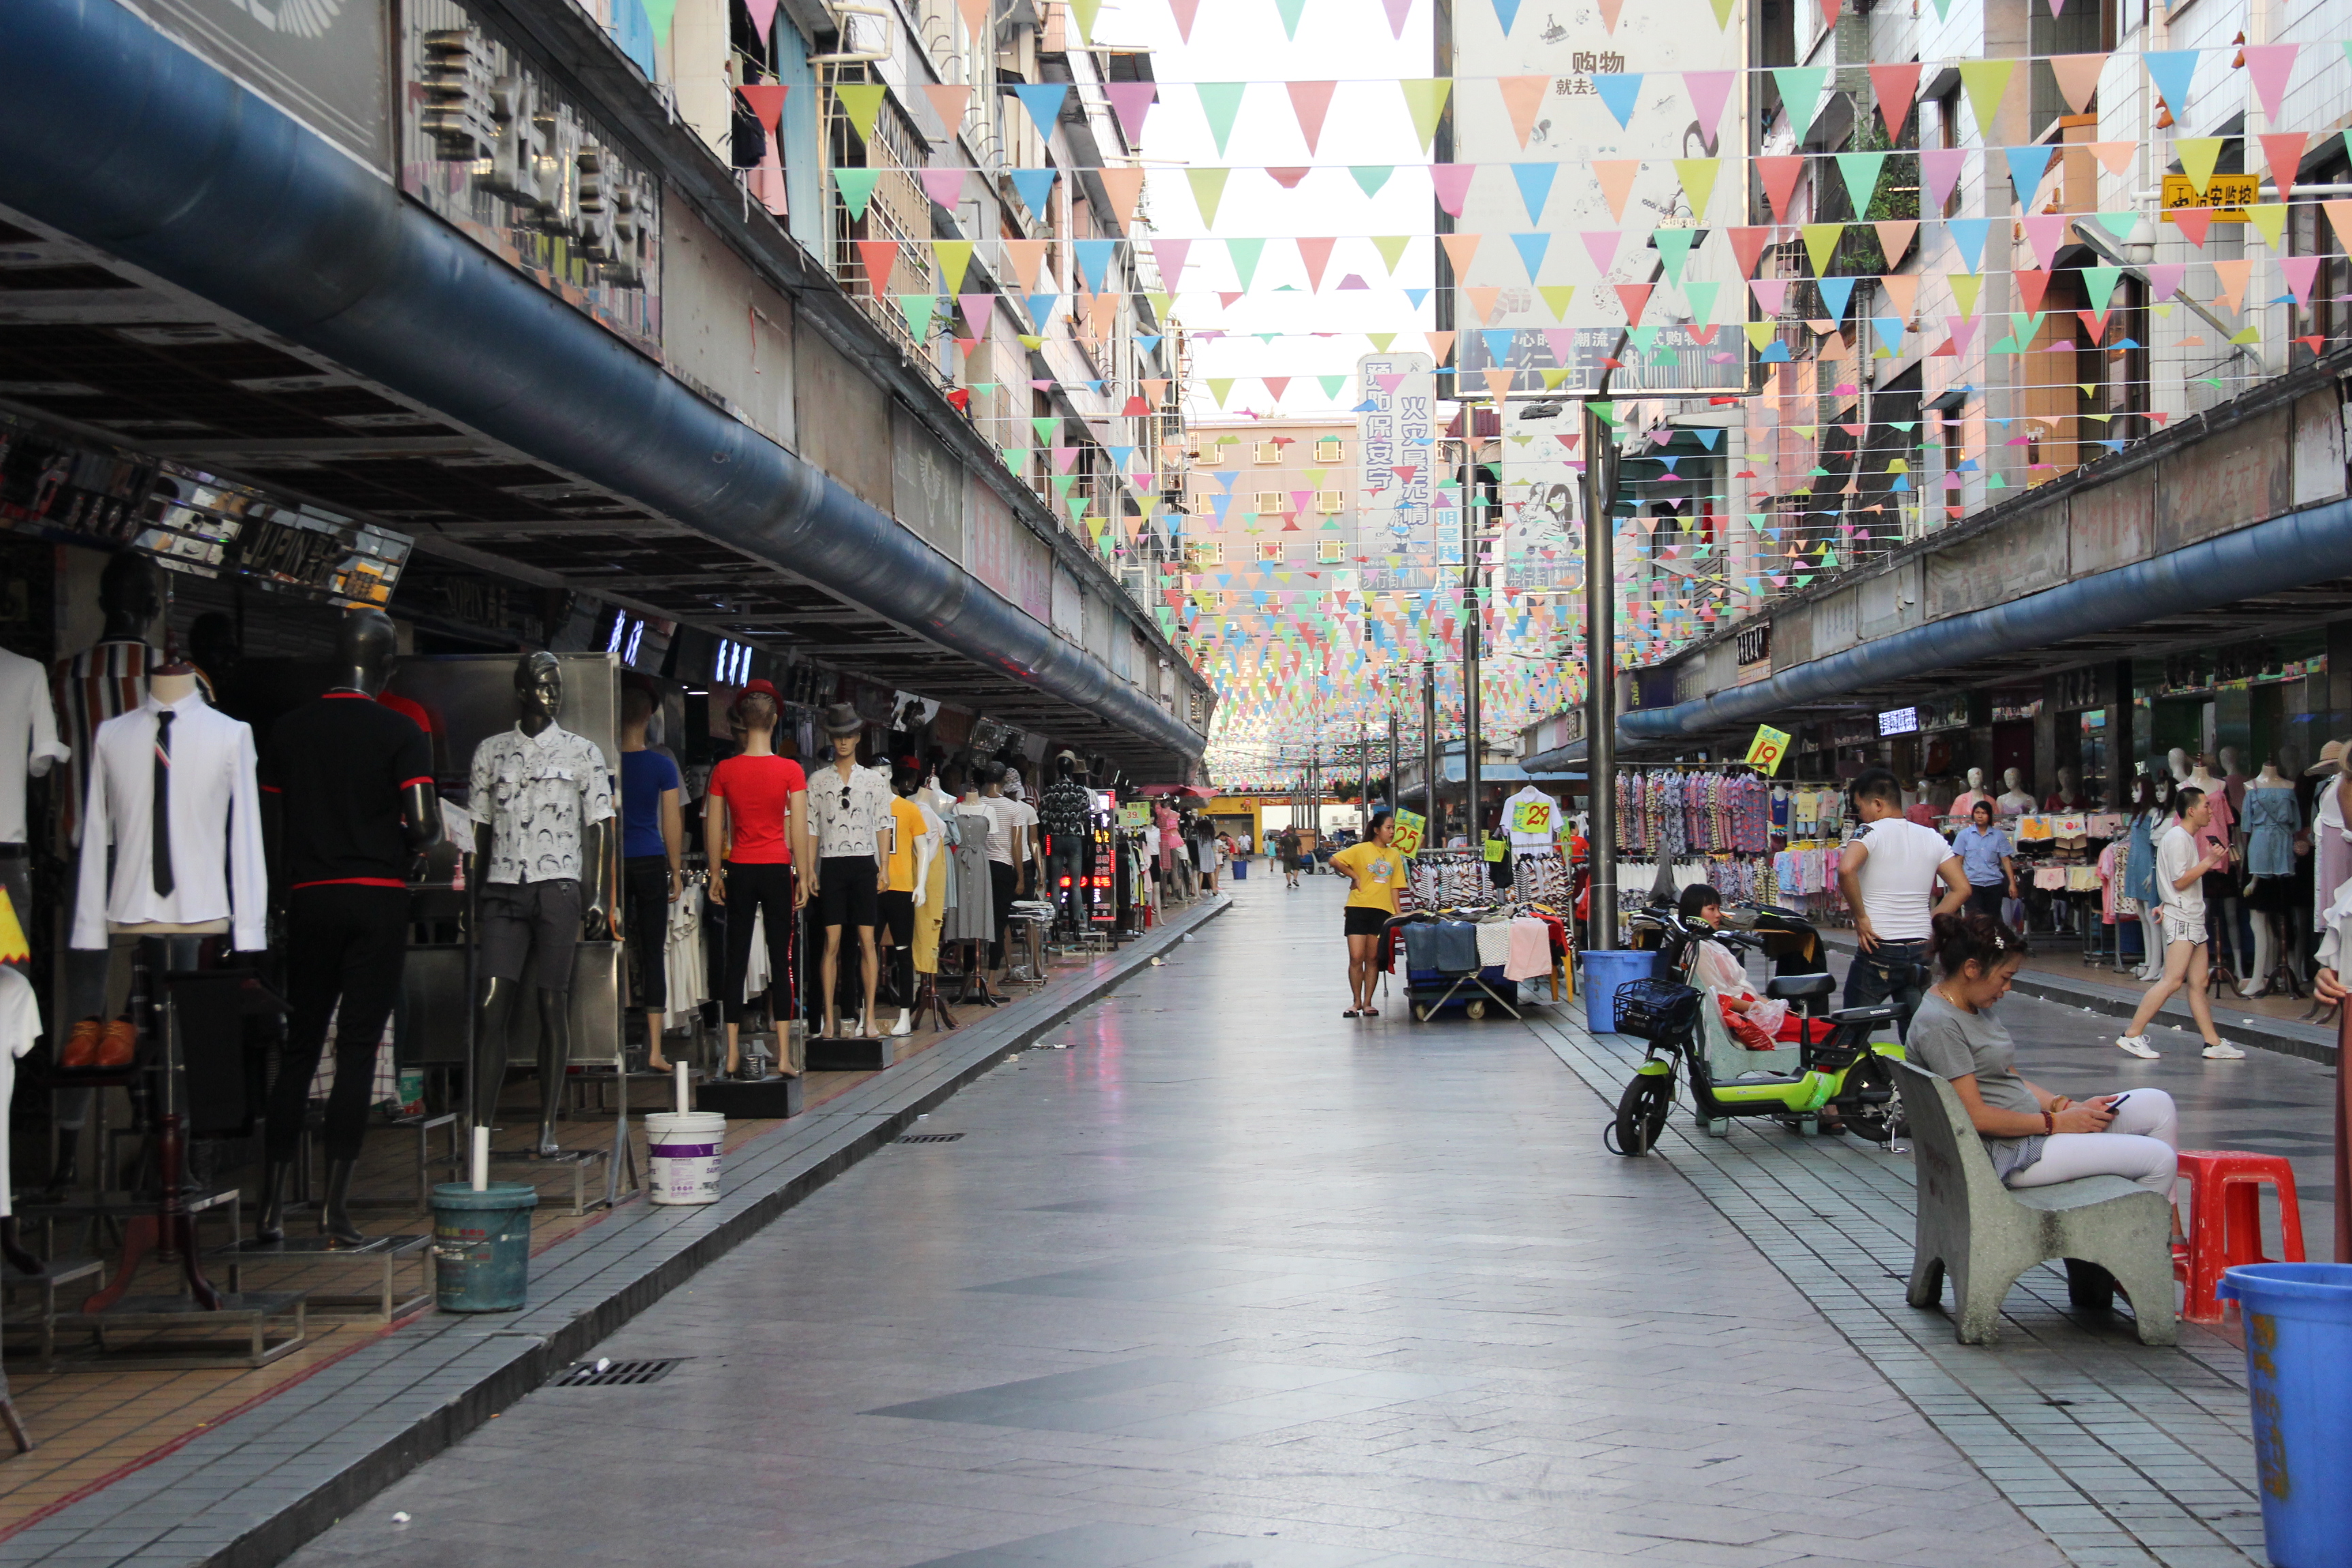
[1375, 871]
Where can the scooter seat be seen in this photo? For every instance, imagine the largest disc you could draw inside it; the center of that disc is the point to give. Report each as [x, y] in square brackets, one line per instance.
[1885, 1013]
[1799, 987]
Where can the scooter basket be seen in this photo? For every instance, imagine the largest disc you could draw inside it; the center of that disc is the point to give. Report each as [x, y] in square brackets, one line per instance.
[1656, 1010]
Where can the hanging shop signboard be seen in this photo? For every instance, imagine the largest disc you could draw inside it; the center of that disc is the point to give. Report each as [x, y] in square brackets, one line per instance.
[1949, 711]
[498, 149]
[1767, 752]
[1396, 437]
[2227, 195]
[1135, 814]
[80, 491]
[1898, 721]
[322, 63]
[2014, 712]
[1754, 643]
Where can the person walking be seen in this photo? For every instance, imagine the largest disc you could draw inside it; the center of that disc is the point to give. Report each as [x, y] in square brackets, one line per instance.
[1374, 871]
[1889, 877]
[1988, 858]
[2182, 864]
[1288, 845]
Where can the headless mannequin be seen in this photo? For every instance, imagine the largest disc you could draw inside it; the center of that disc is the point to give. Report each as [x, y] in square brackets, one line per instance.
[2015, 801]
[539, 692]
[907, 789]
[993, 789]
[2175, 762]
[2233, 780]
[1966, 801]
[365, 646]
[844, 763]
[636, 719]
[753, 724]
[975, 952]
[2273, 928]
[2068, 795]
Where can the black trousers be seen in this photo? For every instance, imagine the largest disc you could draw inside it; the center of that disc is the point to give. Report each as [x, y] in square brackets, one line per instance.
[1002, 880]
[1986, 900]
[343, 943]
[645, 885]
[769, 890]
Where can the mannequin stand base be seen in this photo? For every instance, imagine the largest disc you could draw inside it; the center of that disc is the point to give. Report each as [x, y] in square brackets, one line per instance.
[767, 1098]
[378, 1259]
[581, 1162]
[846, 1053]
[930, 1010]
[155, 1318]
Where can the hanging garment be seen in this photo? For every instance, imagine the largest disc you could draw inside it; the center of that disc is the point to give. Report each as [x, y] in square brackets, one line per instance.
[685, 965]
[974, 919]
[2271, 819]
[2140, 863]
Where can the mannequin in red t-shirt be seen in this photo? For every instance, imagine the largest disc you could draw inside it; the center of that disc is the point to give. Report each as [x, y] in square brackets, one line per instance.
[754, 823]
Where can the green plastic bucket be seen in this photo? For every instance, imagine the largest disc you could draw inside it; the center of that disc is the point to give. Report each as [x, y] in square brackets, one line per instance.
[481, 1246]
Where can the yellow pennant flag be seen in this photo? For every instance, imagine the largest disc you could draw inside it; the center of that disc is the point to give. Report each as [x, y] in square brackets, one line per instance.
[2269, 219]
[1986, 81]
[1391, 249]
[863, 100]
[1424, 97]
[1820, 243]
[1697, 175]
[953, 257]
[2198, 155]
[1966, 286]
[1208, 190]
[1558, 296]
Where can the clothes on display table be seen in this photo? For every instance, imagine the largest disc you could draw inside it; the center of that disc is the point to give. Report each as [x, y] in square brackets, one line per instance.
[29, 745]
[2272, 820]
[538, 794]
[193, 854]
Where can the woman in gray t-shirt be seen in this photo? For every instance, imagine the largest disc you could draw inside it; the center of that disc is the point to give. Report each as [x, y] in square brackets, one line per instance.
[2036, 1138]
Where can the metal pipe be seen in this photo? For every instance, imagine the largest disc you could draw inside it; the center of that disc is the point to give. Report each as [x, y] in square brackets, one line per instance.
[1601, 678]
[1395, 796]
[2285, 553]
[1429, 745]
[1471, 626]
[195, 179]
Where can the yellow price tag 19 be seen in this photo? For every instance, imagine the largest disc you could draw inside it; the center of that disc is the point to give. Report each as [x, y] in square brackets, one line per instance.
[1766, 753]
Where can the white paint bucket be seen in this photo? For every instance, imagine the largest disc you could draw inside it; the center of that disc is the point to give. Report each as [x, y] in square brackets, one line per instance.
[683, 1149]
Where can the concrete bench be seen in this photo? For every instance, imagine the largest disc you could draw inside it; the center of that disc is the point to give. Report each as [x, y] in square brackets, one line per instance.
[2112, 1234]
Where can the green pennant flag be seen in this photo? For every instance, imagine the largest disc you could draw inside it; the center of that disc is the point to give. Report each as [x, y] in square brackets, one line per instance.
[1208, 190]
[1045, 426]
[1702, 298]
[856, 188]
[1370, 177]
[864, 101]
[1801, 94]
[1861, 171]
[1290, 10]
[659, 14]
[2099, 283]
[1673, 251]
[917, 309]
[1245, 253]
[1220, 101]
[1332, 384]
[1424, 99]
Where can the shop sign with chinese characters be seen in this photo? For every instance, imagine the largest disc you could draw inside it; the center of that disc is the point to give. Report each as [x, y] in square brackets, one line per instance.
[499, 149]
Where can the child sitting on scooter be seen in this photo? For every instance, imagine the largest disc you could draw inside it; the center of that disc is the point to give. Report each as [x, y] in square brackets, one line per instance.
[1755, 1021]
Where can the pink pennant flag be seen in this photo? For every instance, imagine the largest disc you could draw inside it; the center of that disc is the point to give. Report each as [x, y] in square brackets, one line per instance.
[1168, 254]
[1939, 167]
[763, 16]
[1288, 175]
[944, 186]
[1894, 87]
[1452, 182]
[2078, 78]
[1709, 91]
[2047, 232]
[2193, 223]
[1771, 293]
[1315, 252]
[2267, 67]
[976, 309]
[1311, 101]
[1277, 386]
[1389, 383]
[2164, 280]
[1609, 10]
[1183, 10]
[1130, 101]
[1601, 243]
[2299, 271]
[1561, 341]
[1397, 9]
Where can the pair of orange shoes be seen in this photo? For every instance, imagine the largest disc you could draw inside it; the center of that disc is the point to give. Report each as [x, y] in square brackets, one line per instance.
[95, 1043]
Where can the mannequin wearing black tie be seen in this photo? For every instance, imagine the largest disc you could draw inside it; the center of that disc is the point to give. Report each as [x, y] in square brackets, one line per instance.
[349, 804]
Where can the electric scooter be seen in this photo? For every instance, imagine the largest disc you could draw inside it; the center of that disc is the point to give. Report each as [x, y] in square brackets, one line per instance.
[1844, 1072]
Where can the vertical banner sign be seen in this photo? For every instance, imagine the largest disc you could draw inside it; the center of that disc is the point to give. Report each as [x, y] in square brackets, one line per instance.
[1543, 539]
[1410, 826]
[1769, 749]
[1396, 435]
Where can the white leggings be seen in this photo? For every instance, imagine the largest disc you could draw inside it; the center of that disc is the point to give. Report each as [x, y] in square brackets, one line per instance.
[2141, 1143]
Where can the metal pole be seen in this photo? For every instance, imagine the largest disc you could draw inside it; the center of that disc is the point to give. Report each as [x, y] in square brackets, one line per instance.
[1395, 795]
[1428, 743]
[2343, 1131]
[1471, 626]
[1364, 774]
[1600, 677]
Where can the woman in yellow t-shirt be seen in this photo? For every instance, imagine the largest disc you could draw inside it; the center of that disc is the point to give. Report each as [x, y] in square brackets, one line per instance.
[1374, 873]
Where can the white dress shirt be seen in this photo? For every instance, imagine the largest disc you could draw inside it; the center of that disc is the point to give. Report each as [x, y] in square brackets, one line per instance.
[217, 872]
[28, 739]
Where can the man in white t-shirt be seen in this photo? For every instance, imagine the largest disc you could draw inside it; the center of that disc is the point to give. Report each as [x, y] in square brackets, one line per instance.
[2183, 859]
[1889, 876]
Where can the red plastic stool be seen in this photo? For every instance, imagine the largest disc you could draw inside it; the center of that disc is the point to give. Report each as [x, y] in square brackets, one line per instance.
[2225, 1221]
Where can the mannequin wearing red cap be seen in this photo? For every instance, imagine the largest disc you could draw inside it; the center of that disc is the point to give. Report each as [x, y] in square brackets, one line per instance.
[754, 826]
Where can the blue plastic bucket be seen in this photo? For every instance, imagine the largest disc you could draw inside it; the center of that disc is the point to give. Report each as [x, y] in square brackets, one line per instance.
[2298, 1323]
[1605, 969]
[1239, 868]
[481, 1246]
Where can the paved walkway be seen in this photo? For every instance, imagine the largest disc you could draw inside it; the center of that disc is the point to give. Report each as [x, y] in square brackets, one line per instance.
[1230, 1280]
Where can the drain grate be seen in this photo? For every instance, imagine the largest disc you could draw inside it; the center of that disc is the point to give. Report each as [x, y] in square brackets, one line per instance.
[611, 1374]
[928, 1138]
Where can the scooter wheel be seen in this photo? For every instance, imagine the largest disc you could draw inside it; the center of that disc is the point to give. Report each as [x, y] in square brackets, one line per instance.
[1641, 1114]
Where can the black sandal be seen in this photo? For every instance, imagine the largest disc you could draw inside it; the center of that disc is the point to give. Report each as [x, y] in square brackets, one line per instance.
[1351, 1012]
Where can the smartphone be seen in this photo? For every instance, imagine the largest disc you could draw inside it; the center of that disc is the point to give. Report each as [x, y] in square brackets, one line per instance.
[2116, 1103]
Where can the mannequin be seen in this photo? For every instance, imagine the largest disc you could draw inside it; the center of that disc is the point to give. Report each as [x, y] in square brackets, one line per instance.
[2233, 780]
[1940, 796]
[2176, 761]
[653, 859]
[541, 801]
[2015, 800]
[93, 686]
[972, 920]
[2271, 821]
[1008, 852]
[1064, 816]
[2151, 818]
[2068, 795]
[349, 786]
[1966, 801]
[850, 809]
[914, 846]
[756, 836]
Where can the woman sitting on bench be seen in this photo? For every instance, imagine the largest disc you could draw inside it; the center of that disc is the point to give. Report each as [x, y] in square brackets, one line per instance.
[2036, 1139]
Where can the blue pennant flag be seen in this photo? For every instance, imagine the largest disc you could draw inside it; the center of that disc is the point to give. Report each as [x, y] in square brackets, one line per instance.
[1035, 187]
[1620, 91]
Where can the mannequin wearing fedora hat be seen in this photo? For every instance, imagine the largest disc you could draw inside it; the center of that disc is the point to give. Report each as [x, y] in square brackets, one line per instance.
[850, 809]
[754, 830]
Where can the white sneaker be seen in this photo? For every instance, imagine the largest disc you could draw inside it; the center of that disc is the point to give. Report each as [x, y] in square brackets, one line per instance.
[2222, 1051]
[2137, 1045]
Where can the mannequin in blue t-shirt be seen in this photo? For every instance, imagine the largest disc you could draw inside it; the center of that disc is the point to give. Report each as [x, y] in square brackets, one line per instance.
[653, 846]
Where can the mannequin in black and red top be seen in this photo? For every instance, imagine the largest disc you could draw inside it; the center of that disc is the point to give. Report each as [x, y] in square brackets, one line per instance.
[347, 786]
[754, 825]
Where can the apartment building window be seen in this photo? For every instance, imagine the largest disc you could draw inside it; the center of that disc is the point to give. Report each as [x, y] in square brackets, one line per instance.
[1269, 451]
[1948, 136]
[2310, 233]
[1329, 503]
[1330, 552]
[1270, 550]
[1206, 552]
[1266, 503]
[1330, 449]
